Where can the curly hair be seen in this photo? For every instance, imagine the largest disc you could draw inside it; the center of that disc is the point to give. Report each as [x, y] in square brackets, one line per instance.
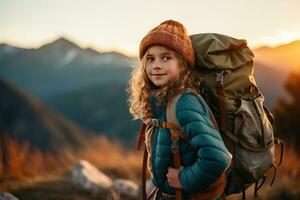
[140, 88]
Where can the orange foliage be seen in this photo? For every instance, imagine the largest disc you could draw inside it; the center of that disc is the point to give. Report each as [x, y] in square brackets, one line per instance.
[291, 163]
[108, 156]
[25, 162]
[112, 159]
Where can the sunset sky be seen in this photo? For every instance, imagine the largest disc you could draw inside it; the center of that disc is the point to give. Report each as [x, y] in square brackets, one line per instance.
[120, 24]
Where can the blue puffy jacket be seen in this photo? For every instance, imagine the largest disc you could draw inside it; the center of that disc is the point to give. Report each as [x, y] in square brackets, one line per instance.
[204, 160]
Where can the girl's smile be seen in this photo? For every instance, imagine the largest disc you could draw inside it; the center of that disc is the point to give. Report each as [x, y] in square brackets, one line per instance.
[158, 74]
[162, 65]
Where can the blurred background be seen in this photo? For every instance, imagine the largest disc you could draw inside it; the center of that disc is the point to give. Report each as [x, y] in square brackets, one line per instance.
[64, 71]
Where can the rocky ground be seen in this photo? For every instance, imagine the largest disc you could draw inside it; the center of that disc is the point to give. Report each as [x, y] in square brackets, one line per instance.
[62, 187]
[56, 187]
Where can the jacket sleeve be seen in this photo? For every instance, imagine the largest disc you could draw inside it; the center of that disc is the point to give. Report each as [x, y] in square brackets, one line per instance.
[212, 155]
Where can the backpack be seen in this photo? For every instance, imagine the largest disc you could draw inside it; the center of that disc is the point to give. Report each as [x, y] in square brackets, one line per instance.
[226, 67]
[229, 91]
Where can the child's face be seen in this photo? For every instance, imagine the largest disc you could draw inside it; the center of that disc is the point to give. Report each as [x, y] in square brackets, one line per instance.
[162, 65]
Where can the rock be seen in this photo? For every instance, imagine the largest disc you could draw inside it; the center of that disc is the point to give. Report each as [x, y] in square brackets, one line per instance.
[126, 187]
[7, 196]
[90, 178]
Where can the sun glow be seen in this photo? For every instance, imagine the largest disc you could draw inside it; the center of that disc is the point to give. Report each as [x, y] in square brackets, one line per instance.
[281, 37]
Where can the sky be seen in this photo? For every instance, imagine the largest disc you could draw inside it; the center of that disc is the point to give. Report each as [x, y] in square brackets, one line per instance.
[120, 25]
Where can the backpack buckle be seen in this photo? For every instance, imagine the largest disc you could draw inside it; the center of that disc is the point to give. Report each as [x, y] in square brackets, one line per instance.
[219, 78]
[175, 145]
[155, 122]
[175, 142]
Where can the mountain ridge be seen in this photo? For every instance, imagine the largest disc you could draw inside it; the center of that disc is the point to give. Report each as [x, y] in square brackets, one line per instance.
[26, 118]
[284, 56]
[63, 41]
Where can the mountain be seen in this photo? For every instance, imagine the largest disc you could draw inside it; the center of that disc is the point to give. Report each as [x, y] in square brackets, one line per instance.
[84, 85]
[27, 119]
[285, 56]
[270, 82]
[7, 50]
[66, 53]
[272, 68]
[61, 66]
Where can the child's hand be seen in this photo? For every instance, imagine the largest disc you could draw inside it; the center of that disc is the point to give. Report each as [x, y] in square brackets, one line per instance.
[173, 178]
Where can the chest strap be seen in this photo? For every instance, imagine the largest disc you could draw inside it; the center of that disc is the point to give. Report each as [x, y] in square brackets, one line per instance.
[174, 129]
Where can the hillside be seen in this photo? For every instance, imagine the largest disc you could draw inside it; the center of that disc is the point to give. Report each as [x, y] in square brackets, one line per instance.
[27, 119]
[101, 108]
[270, 81]
[285, 56]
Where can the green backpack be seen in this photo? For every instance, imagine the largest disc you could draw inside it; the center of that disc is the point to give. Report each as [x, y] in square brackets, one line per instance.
[225, 65]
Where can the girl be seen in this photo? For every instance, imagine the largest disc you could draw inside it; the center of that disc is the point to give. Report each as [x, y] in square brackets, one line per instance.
[167, 60]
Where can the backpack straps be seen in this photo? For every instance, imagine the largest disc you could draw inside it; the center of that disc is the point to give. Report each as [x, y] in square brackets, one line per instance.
[145, 159]
[221, 100]
[171, 106]
[141, 138]
[176, 134]
[211, 116]
[275, 166]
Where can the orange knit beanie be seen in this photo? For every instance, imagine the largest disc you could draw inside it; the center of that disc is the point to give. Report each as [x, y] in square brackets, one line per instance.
[173, 35]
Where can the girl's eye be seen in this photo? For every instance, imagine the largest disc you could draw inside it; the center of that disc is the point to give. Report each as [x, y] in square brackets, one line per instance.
[165, 58]
[149, 59]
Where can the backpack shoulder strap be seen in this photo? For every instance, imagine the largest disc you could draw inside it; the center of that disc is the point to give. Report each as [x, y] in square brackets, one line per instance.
[141, 137]
[171, 110]
[140, 140]
[175, 135]
[171, 117]
[211, 116]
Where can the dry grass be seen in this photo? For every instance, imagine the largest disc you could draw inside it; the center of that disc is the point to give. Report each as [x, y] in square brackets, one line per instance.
[28, 167]
[110, 157]
[25, 163]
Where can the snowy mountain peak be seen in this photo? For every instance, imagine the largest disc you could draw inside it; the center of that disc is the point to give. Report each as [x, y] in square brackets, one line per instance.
[61, 43]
